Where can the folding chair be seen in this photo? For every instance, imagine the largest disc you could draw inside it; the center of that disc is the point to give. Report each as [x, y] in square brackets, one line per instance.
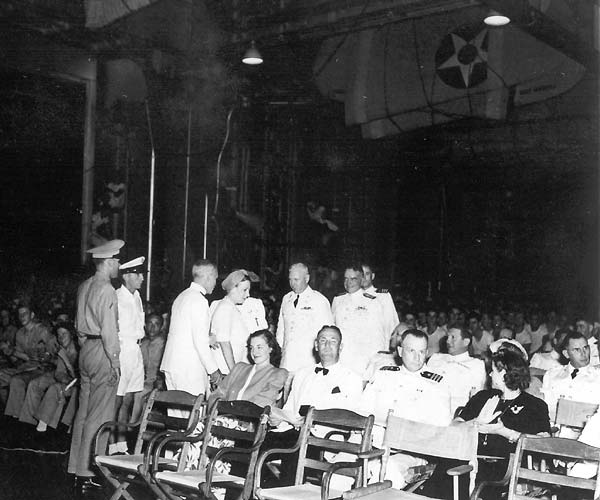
[123, 470]
[458, 442]
[573, 414]
[524, 478]
[233, 434]
[313, 475]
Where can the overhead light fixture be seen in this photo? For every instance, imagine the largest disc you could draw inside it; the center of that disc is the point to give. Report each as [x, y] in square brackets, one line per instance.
[496, 19]
[252, 55]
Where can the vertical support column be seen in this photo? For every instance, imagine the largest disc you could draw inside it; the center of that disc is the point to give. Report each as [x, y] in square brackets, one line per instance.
[89, 148]
[596, 8]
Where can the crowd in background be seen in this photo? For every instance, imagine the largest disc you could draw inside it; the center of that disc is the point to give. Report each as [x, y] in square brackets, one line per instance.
[39, 348]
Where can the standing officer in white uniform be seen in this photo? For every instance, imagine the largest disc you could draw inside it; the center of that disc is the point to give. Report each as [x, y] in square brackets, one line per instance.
[463, 375]
[303, 313]
[131, 333]
[361, 320]
[188, 358]
[99, 367]
[390, 316]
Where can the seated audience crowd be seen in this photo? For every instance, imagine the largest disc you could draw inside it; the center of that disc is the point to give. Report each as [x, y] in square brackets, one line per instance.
[503, 370]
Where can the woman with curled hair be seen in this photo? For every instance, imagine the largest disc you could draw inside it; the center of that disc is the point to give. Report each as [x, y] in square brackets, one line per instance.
[262, 380]
[502, 413]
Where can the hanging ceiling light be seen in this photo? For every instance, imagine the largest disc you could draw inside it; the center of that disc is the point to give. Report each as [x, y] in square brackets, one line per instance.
[252, 55]
[496, 19]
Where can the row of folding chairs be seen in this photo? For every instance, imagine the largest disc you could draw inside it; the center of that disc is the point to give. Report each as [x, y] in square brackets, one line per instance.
[185, 450]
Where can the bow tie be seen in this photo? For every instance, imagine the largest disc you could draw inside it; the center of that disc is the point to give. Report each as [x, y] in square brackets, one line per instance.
[325, 371]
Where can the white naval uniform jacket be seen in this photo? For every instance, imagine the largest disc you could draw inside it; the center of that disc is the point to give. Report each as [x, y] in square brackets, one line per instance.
[463, 375]
[188, 357]
[360, 320]
[131, 315]
[558, 383]
[390, 316]
[131, 330]
[420, 396]
[298, 326]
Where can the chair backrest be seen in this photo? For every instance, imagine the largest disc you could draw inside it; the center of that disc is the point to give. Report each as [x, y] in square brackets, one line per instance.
[574, 413]
[242, 424]
[334, 431]
[568, 450]
[168, 411]
[457, 442]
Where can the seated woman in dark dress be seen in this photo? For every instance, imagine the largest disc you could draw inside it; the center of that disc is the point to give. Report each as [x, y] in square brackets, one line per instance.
[504, 412]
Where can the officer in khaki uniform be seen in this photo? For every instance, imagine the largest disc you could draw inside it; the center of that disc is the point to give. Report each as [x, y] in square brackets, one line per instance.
[96, 322]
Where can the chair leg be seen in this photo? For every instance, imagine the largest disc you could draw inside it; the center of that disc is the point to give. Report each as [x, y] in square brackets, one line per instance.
[121, 491]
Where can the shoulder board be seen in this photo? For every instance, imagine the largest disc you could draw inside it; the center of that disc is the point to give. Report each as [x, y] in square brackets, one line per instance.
[369, 296]
[382, 290]
[341, 294]
[391, 368]
[432, 376]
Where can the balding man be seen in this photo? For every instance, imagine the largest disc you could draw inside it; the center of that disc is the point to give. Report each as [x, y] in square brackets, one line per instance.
[303, 313]
[188, 358]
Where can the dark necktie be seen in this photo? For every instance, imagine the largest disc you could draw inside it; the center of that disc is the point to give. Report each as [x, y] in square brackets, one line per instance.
[296, 300]
[574, 372]
[318, 369]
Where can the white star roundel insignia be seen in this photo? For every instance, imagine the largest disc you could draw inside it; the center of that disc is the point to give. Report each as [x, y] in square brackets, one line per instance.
[461, 58]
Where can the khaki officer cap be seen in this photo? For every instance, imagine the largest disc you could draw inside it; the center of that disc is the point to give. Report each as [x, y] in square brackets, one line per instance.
[109, 250]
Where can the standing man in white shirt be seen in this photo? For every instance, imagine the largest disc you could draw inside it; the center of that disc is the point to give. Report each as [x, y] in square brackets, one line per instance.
[131, 333]
[188, 358]
[303, 313]
[390, 316]
[361, 321]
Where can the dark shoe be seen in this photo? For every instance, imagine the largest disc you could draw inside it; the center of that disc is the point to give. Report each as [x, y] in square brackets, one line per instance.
[87, 483]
